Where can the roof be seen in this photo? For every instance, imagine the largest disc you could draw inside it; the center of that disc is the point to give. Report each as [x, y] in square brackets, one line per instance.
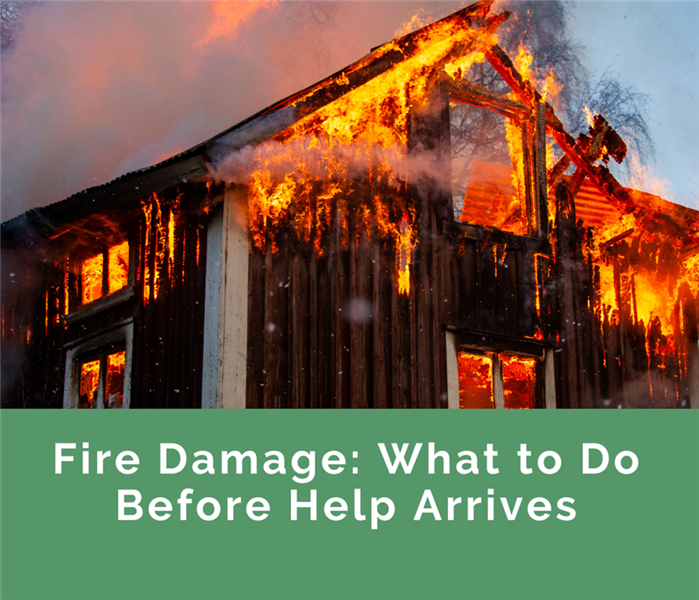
[202, 160]
[491, 184]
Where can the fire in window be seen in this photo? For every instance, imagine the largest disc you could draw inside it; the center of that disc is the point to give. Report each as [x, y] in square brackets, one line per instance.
[519, 381]
[496, 381]
[104, 273]
[101, 380]
[475, 381]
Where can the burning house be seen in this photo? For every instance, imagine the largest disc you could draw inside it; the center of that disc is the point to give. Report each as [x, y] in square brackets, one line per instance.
[335, 250]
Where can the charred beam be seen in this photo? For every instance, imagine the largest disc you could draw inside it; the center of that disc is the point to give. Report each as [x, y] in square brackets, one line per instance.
[462, 91]
[472, 338]
[496, 236]
[278, 117]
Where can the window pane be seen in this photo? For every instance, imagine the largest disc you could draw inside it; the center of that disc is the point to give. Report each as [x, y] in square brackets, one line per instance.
[475, 381]
[519, 381]
[118, 266]
[92, 278]
[115, 380]
[89, 383]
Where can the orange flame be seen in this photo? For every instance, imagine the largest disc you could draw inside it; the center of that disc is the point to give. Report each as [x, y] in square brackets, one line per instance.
[66, 288]
[305, 176]
[475, 381]
[517, 225]
[519, 381]
[523, 62]
[172, 241]
[118, 270]
[153, 246]
[92, 282]
[89, 383]
[229, 16]
[405, 246]
[114, 389]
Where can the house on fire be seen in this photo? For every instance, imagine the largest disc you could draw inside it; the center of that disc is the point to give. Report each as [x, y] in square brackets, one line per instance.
[342, 248]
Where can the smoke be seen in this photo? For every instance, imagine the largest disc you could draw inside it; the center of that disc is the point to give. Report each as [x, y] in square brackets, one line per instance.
[309, 157]
[92, 90]
[643, 177]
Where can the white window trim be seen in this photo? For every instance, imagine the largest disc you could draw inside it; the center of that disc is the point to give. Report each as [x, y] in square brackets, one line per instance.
[498, 388]
[120, 333]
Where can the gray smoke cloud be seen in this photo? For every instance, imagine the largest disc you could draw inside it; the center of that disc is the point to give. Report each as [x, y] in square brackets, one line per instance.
[92, 90]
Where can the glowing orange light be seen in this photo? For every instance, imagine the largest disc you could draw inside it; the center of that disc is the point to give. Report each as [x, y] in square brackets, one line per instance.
[158, 247]
[114, 388]
[404, 255]
[92, 278]
[118, 257]
[171, 246]
[536, 285]
[475, 381]
[519, 381]
[306, 174]
[66, 288]
[154, 243]
[89, 383]
[229, 16]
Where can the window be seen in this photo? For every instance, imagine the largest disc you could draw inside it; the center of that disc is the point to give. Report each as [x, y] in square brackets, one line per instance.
[102, 379]
[98, 369]
[104, 273]
[496, 380]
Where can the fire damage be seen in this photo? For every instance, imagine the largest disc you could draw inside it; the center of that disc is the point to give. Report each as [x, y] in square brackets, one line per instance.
[344, 248]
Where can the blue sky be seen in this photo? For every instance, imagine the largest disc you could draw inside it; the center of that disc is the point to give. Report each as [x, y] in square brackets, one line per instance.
[654, 46]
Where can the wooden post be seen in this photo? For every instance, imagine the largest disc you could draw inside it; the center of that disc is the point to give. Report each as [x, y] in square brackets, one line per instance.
[693, 373]
[452, 370]
[540, 187]
[212, 308]
[572, 382]
[498, 388]
[233, 315]
[550, 379]
[690, 321]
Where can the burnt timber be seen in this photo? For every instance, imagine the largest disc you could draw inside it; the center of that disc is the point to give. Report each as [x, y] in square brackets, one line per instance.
[210, 318]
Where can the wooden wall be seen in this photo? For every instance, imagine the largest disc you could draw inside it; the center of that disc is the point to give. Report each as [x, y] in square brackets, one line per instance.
[168, 338]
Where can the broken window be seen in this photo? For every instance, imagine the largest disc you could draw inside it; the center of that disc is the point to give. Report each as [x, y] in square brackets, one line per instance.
[104, 273]
[488, 169]
[496, 380]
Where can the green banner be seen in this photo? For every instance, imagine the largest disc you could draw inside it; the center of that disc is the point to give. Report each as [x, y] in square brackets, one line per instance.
[350, 504]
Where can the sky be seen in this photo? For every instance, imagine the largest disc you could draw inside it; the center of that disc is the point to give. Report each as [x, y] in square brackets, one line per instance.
[654, 47]
[92, 90]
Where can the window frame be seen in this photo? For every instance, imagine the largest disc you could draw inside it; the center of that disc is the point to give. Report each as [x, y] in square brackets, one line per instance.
[97, 345]
[455, 346]
[78, 310]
